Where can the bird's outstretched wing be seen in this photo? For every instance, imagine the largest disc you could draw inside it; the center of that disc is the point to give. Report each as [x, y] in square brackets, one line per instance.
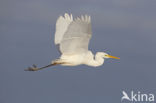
[73, 35]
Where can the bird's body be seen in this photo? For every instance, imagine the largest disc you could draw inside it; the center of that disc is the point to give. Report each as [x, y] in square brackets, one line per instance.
[72, 59]
[72, 37]
[86, 58]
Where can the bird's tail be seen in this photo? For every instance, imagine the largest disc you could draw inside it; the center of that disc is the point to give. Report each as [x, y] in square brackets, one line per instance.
[58, 62]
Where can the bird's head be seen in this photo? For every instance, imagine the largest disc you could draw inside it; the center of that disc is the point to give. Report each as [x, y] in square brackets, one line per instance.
[105, 55]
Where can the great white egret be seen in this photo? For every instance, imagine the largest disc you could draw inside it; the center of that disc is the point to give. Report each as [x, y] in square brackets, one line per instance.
[72, 37]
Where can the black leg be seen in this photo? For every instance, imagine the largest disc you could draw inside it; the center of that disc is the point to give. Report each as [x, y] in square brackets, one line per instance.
[34, 67]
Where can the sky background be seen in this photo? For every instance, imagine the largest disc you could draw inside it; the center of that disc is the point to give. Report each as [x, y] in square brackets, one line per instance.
[122, 28]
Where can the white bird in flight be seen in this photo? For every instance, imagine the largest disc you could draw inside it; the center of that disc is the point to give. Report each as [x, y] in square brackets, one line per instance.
[72, 37]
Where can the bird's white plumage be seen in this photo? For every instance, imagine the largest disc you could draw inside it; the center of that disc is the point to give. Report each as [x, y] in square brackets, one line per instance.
[73, 35]
[62, 24]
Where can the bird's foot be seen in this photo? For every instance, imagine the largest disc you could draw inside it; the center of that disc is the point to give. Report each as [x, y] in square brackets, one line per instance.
[33, 68]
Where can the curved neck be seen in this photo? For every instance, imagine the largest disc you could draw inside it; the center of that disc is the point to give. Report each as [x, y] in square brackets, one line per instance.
[98, 61]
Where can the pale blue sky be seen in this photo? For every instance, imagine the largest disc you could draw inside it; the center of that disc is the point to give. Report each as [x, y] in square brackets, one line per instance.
[123, 28]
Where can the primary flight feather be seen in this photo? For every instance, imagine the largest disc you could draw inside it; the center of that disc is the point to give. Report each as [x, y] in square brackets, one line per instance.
[72, 37]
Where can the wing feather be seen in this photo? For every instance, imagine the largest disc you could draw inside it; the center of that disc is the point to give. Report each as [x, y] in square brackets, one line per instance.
[77, 36]
[62, 24]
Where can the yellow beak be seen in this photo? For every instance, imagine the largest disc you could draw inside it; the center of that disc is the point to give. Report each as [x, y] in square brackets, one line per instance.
[113, 57]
